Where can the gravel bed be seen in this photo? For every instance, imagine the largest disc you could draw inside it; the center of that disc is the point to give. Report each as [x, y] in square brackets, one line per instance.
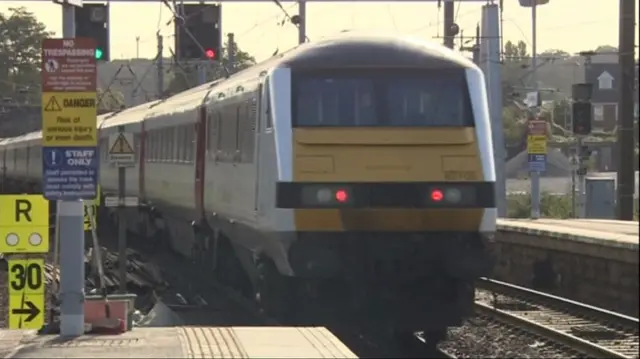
[483, 337]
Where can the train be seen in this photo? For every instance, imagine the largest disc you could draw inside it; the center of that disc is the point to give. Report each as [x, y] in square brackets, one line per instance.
[352, 172]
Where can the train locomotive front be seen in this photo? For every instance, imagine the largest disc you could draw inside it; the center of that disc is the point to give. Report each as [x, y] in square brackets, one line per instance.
[388, 189]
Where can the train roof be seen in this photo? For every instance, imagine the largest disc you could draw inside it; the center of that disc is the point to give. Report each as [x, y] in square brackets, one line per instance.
[373, 50]
[351, 49]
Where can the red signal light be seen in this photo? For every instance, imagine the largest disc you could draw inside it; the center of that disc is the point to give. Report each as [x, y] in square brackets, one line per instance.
[341, 196]
[437, 195]
[209, 53]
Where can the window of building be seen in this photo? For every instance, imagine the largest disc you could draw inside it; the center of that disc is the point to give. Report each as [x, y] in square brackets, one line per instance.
[598, 113]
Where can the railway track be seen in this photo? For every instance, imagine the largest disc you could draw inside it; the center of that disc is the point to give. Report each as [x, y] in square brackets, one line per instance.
[577, 328]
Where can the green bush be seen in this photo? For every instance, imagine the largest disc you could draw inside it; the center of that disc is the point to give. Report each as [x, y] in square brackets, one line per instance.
[551, 206]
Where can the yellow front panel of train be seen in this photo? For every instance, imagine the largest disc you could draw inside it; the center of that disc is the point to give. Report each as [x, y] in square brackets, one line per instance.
[387, 155]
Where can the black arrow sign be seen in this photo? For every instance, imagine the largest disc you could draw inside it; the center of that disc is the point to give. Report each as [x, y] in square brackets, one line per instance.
[33, 311]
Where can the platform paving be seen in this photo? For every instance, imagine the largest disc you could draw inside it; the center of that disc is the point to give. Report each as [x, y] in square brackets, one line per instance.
[181, 342]
[610, 233]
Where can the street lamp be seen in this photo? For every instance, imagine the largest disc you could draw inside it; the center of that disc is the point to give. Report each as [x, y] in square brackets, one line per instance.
[529, 3]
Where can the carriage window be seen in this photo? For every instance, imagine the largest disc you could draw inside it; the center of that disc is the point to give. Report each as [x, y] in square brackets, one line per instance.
[211, 133]
[180, 146]
[398, 98]
[189, 142]
[152, 145]
[156, 145]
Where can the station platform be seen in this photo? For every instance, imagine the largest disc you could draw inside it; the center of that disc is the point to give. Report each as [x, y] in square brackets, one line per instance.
[181, 342]
[610, 233]
[594, 261]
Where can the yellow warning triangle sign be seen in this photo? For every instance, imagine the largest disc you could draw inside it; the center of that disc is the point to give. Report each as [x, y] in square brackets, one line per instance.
[52, 105]
[121, 146]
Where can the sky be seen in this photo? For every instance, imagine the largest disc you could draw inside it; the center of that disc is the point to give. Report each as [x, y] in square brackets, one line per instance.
[570, 25]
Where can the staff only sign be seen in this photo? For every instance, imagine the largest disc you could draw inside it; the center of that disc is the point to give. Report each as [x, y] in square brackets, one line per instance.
[70, 172]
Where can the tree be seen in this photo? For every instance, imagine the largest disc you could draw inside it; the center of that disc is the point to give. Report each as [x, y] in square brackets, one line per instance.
[556, 54]
[516, 62]
[606, 49]
[186, 76]
[515, 52]
[21, 36]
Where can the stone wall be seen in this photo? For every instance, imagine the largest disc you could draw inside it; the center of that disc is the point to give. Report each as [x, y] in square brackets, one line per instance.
[600, 275]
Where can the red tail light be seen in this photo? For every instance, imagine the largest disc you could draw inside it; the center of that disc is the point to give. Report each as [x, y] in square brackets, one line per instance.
[341, 196]
[437, 195]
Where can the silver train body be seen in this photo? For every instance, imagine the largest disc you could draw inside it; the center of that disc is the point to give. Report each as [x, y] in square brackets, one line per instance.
[230, 173]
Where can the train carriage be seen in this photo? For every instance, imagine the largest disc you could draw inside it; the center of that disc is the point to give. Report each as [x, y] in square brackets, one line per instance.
[355, 172]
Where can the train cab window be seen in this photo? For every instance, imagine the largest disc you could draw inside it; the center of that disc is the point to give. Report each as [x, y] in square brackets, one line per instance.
[390, 98]
[439, 101]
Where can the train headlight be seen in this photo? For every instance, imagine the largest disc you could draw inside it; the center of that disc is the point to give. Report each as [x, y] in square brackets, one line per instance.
[324, 195]
[453, 195]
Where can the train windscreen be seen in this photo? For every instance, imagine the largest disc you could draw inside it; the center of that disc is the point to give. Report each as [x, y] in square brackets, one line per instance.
[386, 98]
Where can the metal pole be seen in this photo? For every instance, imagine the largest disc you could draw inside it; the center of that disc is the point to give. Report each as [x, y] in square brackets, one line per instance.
[449, 10]
[626, 54]
[71, 221]
[302, 26]
[202, 73]
[476, 47]
[122, 225]
[160, 67]
[490, 64]
[231, 52]
[535, 175]
[580, 184]
[574, 168]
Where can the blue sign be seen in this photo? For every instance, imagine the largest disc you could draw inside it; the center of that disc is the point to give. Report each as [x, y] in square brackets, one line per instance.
[70, 173]
[537, 163]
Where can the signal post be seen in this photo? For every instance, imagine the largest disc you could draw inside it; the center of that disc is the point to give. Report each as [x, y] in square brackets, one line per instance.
[24, 230]
[70, 157]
